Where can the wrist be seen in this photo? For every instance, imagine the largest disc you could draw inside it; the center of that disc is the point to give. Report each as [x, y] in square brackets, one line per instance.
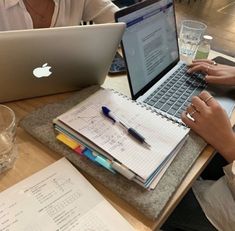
[229, 149]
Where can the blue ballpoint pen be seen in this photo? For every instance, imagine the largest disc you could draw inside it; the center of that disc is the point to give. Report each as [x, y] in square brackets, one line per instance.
[107, 112]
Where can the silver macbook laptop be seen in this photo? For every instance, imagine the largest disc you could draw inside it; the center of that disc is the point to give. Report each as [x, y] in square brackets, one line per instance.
[47, 61]
[156, 75]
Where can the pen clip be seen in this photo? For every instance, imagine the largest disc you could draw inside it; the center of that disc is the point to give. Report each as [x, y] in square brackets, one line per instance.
[106, 111]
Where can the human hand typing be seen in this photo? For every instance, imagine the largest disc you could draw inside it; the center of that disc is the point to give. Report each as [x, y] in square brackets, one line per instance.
[215, 73]
[210, 121]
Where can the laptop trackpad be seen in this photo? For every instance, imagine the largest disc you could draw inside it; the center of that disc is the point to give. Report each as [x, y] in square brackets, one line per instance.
[225, 96]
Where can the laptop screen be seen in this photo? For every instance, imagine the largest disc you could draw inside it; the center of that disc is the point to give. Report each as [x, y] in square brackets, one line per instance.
[149, 43]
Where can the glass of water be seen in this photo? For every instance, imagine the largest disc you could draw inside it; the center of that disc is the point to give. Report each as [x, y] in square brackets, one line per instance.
[8, 149]
[191, 33]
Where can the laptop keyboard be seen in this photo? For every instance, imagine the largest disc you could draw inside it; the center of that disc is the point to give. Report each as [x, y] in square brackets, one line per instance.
[175, 94]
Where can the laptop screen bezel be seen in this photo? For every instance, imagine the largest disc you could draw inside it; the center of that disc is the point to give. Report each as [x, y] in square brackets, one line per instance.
[126, 11]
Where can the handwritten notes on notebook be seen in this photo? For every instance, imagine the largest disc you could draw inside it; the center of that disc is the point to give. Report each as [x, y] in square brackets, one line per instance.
[163, 135]
[57, 198]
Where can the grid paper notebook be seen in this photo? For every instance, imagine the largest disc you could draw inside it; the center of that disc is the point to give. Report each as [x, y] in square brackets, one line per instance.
[86, 122]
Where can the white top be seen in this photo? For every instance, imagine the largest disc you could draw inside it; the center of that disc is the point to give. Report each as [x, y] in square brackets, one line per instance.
[217, 200]
[14, 16]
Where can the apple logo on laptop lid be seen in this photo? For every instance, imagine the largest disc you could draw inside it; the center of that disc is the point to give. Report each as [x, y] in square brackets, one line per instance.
[43, 71]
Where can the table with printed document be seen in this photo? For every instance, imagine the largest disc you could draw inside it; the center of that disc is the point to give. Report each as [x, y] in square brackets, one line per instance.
[34, 156]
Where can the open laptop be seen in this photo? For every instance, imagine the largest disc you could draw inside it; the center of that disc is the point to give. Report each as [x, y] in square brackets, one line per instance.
[47, 61]
[156, 75]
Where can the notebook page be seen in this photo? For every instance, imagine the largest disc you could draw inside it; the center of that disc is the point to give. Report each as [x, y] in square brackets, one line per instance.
[57, 198]
[163, 135]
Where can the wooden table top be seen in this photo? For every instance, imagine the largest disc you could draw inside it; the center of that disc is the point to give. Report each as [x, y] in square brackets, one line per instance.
[33, 156]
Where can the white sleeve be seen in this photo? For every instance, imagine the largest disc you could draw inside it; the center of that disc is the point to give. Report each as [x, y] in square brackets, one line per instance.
[99, 11]
[217, 203]
[229, 171]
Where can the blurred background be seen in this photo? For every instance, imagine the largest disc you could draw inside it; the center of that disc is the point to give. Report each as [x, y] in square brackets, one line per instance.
[218, 15]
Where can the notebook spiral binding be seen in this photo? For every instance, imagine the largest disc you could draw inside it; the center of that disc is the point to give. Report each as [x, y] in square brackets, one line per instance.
[153, 110]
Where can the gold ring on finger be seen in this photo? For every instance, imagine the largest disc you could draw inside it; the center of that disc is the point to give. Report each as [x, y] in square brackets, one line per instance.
[208, 99]
[192, 113]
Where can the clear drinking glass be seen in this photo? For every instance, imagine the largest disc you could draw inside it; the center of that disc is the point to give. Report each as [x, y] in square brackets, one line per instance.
[8, 149]
[190, 36]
